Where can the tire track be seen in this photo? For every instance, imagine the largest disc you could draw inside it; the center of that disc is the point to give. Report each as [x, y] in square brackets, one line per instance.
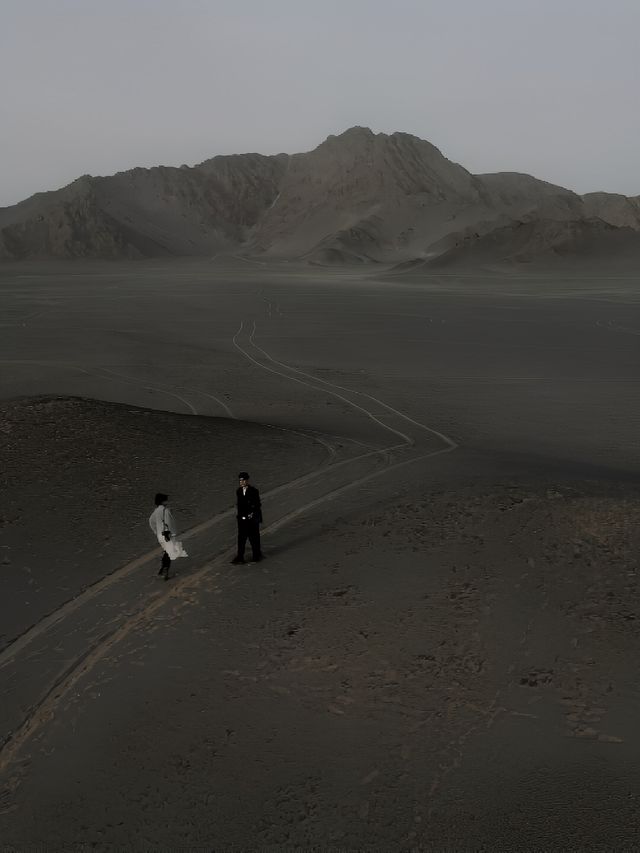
[129, 380]
[406, 439]
[121, 573]
[140, 382]
[400, 414]
[56, 616]
[45, 707]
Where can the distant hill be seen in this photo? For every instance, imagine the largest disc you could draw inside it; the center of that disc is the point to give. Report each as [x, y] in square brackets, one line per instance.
[615, 209]
[358, 197]
[146, 212]
[541, 242]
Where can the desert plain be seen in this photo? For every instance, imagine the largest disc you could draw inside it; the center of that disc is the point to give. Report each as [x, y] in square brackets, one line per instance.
[439, 650]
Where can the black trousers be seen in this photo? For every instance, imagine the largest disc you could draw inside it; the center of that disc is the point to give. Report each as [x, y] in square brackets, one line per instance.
[248, 530]
[166, 561]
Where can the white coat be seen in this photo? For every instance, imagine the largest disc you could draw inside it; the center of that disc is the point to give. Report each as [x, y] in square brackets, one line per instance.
[161, 519]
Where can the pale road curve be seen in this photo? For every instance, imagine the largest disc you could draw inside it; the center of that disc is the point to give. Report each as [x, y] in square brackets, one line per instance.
[134, 381]
[51, 619]
[408, 441]
[121, 378]
[440, 435]
[74, 366]
[45, 707]
[129, 380]
[9, 653]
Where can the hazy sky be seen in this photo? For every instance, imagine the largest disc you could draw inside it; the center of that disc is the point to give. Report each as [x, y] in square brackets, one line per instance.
[549, 87]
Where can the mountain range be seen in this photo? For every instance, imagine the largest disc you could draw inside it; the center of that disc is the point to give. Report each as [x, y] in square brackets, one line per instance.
[359, 197]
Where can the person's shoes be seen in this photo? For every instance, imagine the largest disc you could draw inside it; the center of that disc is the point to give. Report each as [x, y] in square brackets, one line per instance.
[162, 570]
[237, 561]
[258, 558]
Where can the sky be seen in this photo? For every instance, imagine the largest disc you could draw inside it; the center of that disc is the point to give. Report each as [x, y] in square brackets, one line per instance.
[547, 87]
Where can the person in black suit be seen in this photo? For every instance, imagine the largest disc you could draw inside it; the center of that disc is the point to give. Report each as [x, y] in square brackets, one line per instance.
[249, 519]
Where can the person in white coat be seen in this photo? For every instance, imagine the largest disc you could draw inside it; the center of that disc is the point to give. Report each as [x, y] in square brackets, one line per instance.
[162, 523]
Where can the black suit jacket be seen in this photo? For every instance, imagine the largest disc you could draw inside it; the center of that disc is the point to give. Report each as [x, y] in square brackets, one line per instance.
[249, 505]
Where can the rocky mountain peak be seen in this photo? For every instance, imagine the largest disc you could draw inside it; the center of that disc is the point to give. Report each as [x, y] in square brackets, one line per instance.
[358, 196]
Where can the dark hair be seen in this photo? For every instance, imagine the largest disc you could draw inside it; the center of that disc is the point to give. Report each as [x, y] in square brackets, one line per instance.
[243, 475]
[160, 498]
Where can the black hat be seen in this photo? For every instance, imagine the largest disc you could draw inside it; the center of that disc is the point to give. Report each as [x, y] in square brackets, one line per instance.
[161, 498]
[243, 475]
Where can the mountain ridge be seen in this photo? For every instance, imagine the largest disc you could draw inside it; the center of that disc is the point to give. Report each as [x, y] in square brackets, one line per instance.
[358, 197]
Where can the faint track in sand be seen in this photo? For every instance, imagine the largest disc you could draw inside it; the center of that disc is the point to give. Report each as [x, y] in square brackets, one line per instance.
[43, 708]
[162, 388]
[397, 412]
[406, 439]
[115, 376]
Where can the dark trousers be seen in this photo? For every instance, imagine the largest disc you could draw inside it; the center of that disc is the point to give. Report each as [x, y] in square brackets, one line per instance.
[248, 530]
[166, 561]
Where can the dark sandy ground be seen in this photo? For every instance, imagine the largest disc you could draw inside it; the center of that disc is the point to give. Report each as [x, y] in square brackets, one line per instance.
[79, 478]
[440, 650]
